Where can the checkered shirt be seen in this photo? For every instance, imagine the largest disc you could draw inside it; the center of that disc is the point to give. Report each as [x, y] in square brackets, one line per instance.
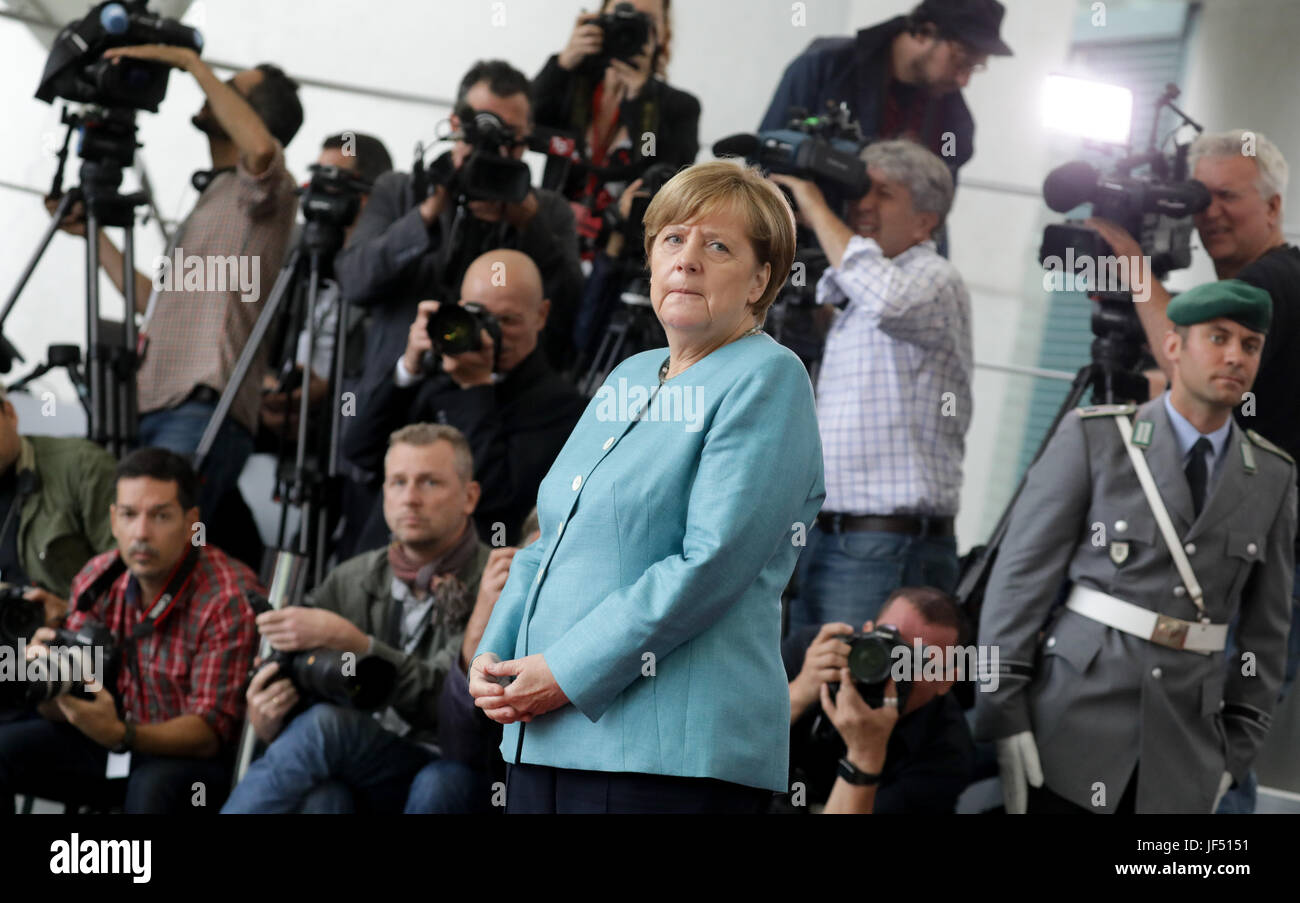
[892, 435]
[195, 337]
[197, 659]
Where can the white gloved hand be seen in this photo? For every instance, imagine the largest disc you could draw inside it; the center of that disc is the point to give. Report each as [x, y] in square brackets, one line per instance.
[1224, 783]
[1019, 766]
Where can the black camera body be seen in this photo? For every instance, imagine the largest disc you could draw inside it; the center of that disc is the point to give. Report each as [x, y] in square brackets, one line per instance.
[457, 328]
[76, 660]
[325, 674]
[626, 30]
[871, 662]
[333, 196]
[487, 174]
[76, 70]
[19, 617]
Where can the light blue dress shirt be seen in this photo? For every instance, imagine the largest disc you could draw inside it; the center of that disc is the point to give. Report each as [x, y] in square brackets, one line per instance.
[669, 530]
[1187, 436]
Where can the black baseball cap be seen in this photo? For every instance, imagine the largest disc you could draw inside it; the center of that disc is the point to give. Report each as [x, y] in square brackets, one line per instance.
[973, 22]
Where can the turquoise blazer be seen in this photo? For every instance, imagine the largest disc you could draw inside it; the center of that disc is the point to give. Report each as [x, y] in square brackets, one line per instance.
[670, 522]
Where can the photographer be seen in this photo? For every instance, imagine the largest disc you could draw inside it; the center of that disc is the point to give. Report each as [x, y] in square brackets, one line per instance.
[55, 493]
[514, 410]
[893, 393]
[613, 105]
[246, 210]
[408, 604]
[175, 708]
[901, 78]
[921, 758]
[406, 247]
[1241, 230]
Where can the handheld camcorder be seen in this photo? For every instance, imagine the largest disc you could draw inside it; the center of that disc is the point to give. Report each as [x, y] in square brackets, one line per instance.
[488, 173]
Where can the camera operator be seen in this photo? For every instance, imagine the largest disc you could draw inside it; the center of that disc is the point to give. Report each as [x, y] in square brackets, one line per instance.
[407, 603]
[175, 708]
[922, 757]
[513, 408]
[246, 209]
[893, 393]
[55, 492]
[1241, 230]
[406, 247]
[901, 78]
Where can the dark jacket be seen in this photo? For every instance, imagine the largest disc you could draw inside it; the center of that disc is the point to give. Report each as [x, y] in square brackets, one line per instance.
[63, 521]
[562, 100]
[393, 262]
[853, 70]
[515, 429]
[360, 590]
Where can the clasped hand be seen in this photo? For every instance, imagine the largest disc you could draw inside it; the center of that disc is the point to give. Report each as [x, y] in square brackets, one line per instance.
[533, 691]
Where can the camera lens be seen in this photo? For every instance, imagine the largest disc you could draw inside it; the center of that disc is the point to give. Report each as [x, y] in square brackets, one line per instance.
[869, 659]
[453, 330]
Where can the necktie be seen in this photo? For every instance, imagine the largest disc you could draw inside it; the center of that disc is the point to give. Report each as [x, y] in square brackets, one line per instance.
[1197, 473]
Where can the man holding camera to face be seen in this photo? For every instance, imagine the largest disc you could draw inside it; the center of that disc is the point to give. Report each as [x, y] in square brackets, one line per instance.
[514, 410]
[888, 748]
[416, 237]
[406, 604]
[893, 393]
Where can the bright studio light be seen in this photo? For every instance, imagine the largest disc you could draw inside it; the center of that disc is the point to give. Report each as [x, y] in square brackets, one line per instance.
[1088, 109]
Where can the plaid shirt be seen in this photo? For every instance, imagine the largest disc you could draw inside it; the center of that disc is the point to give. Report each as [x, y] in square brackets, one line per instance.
[892, 436]
[196, 660]
[195, 337]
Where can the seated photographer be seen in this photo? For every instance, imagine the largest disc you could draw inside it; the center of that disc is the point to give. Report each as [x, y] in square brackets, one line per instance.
[55, 492]
[406, 604]
[407, 247]
[893, 394]
[514, 410]
[469, 739]
[171, 618]
[916, 761]
[611, 104]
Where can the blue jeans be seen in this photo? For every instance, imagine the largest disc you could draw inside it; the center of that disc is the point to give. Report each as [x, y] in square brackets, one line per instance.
[1240, 800]
[179, 429]
[847, 576]
[448, 787]
[324, 751]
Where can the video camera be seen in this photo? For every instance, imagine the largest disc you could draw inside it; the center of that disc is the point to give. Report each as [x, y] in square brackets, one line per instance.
[822, 149]
[76, 70]
[488, 173]
[363, 683]
[333, 195]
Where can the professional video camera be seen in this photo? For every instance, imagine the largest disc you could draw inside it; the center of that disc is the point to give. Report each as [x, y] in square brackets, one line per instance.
[77, 663]
[488, 173]
[363, 683]
[333, 195]
[822, 149]
[75, 69]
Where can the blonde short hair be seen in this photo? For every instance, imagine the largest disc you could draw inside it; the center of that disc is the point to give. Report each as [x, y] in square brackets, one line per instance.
[422, 434]
[707, 188]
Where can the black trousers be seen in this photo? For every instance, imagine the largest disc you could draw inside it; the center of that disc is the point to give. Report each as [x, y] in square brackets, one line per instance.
[1044, 802]
[56, 761]
[541, 790]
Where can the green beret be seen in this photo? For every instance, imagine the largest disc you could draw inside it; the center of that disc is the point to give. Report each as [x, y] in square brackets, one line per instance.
[1239, 301]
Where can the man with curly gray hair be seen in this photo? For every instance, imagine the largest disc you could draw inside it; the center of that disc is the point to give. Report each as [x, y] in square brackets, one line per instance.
[893, 393]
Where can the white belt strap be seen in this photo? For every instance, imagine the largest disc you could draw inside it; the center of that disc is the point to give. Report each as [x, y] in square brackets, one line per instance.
[1162, 516]
[1163, 630]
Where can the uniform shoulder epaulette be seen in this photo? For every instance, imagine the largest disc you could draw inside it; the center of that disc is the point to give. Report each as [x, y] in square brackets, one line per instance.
[1108, 410]
[1268, 446]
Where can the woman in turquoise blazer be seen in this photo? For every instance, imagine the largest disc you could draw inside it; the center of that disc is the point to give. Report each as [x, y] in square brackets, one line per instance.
[634, 654]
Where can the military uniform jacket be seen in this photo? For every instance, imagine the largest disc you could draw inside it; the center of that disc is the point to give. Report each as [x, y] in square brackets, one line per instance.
[1101, 701]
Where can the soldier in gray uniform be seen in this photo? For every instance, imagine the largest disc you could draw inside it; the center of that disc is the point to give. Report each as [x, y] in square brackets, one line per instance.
[1120, 700]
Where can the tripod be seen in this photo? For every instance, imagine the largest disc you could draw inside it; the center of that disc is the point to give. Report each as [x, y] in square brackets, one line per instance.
[107, 387]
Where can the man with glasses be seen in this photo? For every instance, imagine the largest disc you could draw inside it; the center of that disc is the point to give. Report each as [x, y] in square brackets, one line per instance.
[901, 78]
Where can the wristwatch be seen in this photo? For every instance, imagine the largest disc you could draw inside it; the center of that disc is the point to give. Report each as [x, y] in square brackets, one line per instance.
[128, 738]
[854, 775]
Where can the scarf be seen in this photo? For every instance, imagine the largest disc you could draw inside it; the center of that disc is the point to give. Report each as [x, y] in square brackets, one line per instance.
[438, 577]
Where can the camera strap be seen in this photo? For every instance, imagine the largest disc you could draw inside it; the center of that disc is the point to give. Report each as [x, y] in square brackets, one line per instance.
[162, 606]
[1162, 515]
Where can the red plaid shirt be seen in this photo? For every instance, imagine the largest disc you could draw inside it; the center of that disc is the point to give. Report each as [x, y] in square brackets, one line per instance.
[197, 659]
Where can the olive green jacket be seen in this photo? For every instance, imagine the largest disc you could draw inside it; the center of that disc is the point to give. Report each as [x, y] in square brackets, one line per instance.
[360, 589]
[64, 522]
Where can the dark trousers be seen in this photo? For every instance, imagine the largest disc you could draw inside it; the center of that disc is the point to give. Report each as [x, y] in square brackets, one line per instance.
[1044, 802]
[541, 790]
[56, 761]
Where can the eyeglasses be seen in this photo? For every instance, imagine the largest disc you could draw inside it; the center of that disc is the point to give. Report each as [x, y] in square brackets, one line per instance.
[965, 60]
